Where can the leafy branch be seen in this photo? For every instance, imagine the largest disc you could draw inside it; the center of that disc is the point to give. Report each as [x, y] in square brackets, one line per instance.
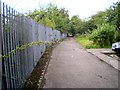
[22, 47]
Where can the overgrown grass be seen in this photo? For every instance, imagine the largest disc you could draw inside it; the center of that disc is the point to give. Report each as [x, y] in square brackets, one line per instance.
[85, 42]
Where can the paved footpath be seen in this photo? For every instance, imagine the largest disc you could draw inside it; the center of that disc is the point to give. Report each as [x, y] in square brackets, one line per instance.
[71, 66]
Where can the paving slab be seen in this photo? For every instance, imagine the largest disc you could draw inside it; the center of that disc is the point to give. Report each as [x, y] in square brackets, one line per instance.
[100, 53]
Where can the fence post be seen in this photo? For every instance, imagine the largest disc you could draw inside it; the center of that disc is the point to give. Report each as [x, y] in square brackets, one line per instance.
[0, 47]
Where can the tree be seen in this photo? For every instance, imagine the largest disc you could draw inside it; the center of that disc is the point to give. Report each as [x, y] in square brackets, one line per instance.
[75, 25]
[52, 17]
[104, 35]
[88, 26]
[114, 18]
[112, 14]
[99, 18]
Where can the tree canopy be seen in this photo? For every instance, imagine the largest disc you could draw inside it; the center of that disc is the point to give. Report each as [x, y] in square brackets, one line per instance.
[52, 17]
[58, 18]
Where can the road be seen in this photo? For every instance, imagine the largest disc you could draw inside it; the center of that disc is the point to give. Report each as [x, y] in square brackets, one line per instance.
[71, 66]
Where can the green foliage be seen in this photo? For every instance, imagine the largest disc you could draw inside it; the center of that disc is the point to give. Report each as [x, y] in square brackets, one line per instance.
[113, 13]
[22, 47]
[75, 24]
[83, 27]
[85, 42]
[117, 36]
[118, 15]
[99, 18]
[51, 17]
[87, 27]
[101, 33]
[104, 35]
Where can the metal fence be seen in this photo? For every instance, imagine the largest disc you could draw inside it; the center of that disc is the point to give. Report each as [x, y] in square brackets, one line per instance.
[17, 30]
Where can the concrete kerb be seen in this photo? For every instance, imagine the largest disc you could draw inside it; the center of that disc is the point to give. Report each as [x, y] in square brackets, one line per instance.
[99, 53]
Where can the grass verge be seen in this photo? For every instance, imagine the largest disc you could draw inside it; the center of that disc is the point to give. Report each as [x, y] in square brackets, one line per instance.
[85, 42]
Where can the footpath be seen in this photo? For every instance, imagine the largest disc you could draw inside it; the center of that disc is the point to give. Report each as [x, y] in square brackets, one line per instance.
[71, 66]
[102, 55]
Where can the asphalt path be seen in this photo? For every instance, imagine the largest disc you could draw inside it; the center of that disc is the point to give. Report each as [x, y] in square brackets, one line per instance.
[71, 66]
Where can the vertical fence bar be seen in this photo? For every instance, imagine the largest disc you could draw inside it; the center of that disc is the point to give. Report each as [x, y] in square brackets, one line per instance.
[11, 43]
[7, 42]
[0, 47]
[16, 41]
[15, 31]
[26, 32]
[4, 85]
[17, 21]
[32, 48]
[6, 73]
[19, 33]
[10, 46]
[22, 52]
[32, 36]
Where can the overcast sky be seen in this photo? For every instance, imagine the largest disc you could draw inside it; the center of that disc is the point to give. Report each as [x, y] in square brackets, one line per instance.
[83, 8]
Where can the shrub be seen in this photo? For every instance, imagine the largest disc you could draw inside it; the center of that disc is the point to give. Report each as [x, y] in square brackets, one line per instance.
[104, 35]
[117, 36]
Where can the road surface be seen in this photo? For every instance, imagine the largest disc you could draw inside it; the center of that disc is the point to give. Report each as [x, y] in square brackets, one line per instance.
[71, 66]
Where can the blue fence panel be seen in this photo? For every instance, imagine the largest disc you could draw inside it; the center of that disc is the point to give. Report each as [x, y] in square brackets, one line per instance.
[16, 31]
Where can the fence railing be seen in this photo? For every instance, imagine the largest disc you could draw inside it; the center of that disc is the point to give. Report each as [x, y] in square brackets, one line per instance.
[16, 31]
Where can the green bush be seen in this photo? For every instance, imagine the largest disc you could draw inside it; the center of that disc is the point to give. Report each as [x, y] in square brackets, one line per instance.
[117, 36]
[104, 35]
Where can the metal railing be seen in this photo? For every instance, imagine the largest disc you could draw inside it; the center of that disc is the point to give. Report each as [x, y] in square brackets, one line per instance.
[15, 31]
